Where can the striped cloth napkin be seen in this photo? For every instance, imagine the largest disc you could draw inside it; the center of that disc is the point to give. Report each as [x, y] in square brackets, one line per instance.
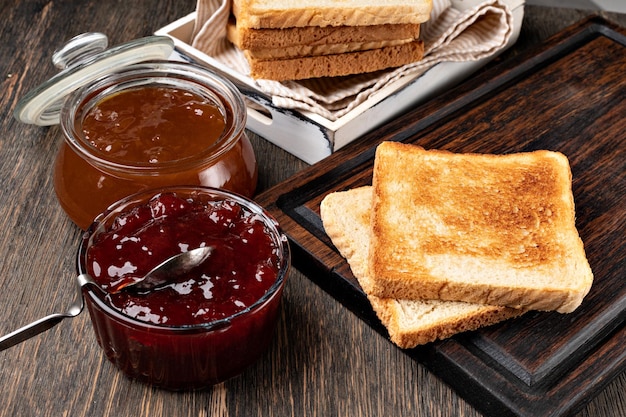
[453, 33]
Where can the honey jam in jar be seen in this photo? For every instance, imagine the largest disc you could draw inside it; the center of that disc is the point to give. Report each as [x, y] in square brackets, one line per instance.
[135, 125]
[149, 126]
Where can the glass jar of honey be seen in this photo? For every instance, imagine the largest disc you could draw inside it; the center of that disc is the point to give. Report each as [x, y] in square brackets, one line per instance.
[138, 125]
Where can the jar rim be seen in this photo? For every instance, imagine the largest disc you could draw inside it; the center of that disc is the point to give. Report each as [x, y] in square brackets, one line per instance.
[218, 194]
[230, 100]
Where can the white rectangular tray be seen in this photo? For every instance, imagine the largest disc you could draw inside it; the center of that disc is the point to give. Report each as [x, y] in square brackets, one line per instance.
[311, 137]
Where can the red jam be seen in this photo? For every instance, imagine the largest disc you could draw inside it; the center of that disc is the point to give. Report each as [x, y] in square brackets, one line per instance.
[242, 267]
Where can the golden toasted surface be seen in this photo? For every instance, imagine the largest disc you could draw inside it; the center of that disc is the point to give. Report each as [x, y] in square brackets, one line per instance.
[497, 229]
[507, 206]
[299, 13]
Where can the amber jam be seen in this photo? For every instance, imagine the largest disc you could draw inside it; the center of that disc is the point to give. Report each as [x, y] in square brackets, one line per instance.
[150, 126]
[205, 326]
[153, 124]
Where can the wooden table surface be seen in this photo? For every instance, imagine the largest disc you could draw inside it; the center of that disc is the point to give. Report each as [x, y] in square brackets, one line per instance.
[323, 361]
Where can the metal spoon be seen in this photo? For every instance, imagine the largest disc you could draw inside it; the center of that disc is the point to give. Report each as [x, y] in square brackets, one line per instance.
[159, 275]
[167, 270]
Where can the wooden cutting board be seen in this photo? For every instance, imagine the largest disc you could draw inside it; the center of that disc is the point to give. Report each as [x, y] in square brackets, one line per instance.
[569, 95]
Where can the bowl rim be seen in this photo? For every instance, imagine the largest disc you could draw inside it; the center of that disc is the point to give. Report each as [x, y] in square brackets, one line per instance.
[119, 206]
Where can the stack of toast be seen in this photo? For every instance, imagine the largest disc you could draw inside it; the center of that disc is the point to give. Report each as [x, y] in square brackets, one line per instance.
[443, 243]
[287, 40]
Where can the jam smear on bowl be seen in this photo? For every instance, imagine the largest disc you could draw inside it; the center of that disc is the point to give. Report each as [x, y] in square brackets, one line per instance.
[206, 325]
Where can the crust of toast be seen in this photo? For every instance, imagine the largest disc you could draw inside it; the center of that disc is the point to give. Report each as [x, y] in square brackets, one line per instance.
[486, 229]
[317, 37]
[311, 51]
[337, 64]
[346, 218]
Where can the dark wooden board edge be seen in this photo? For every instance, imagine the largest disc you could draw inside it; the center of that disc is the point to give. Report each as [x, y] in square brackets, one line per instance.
[446, 359]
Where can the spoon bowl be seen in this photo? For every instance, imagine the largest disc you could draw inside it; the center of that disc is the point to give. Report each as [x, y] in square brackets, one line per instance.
[167, 271]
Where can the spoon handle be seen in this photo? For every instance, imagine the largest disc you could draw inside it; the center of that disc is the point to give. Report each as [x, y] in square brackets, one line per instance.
[30, 330]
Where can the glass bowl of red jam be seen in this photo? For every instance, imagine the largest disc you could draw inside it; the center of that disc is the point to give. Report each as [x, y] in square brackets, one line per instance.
[205, 326]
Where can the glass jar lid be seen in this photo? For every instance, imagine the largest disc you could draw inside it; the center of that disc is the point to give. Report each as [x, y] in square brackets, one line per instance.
[83, 60]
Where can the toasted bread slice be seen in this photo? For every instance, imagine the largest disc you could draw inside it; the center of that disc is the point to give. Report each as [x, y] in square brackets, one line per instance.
[336, 65]
[312, 51]
[312, 40]
[346, 219]
[487, 229]
[277, 14]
